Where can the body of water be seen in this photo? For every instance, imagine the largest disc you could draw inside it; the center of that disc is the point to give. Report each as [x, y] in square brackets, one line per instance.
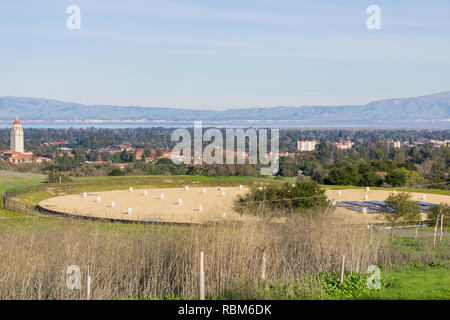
[438, 125]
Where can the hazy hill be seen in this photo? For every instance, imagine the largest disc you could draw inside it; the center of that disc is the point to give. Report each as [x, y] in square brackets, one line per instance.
[429, 107]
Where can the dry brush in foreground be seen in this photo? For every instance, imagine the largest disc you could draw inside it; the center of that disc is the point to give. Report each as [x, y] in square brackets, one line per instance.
[127, 261]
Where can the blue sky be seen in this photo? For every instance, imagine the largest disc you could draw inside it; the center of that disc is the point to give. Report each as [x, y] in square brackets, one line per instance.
[224, 54]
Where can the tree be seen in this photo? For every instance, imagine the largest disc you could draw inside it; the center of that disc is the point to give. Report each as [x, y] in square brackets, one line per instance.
[436, 211]
[116, 172]
[324, 153]
[343, 175]
[158, 153]
[400, 208]
[404, 177]
[93, 156]
[65, 162]
[147, 153]
[370, 179]
[125, 156]
[397, 155]
[288, 167]
[106, 156]
[439, 171]
[280, 200]
[313, 169]
[54, 177]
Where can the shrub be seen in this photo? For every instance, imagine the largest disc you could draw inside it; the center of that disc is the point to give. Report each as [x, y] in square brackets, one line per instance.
[55, 177]
[355, 285]
[279, 200]
[116, 172]
[443, 209]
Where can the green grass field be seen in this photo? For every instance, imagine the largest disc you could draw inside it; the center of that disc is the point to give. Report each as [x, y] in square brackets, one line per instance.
[13, 179]
[404, 189]
[422, 283]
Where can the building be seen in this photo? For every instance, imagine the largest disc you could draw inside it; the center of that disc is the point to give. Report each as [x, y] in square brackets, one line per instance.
[392, 144]
[306, 145]
[17, 157]
[42, 159]
[343, 145]
[17, 153]
[98, 162]
[16, 137]
[440, 143]
[118, 149]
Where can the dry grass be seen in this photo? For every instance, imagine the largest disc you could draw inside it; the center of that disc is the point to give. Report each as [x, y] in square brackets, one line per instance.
[160, 261]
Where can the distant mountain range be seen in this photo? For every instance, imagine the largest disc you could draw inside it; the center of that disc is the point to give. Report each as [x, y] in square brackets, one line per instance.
[434, 107]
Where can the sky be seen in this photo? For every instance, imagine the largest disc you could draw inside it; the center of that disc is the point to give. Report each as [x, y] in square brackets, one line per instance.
[209, 54]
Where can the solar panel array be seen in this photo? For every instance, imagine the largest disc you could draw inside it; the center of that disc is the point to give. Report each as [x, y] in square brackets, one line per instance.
[378, 206]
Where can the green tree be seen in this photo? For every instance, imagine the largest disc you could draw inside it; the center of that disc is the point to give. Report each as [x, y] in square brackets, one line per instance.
[158, 153]
[106, 156]
[440, 209]
[54, 177]
[147, 153]
[439, 171]
[404, 177]
[370, 179]
[116, 172]
[399, 208]
[281, 200]
[343, 175]
[288, 167]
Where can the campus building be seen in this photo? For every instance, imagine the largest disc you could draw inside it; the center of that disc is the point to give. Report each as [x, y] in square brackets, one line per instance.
[306, 145]
[343, 145]
[17, 153]
[16, 137]
[392, 144]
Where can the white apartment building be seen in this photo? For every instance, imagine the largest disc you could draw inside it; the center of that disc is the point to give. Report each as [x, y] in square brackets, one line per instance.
[392, 144]
[306, 145]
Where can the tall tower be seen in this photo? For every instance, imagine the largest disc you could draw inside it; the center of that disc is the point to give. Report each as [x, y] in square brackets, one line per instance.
[17, 137]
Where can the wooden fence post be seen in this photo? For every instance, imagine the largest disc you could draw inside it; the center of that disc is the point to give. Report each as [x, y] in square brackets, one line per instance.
[202, 276]
[417, 230]
[263, 266]
[88, 283]
[442, 223]
[343, 268]
[435, 231]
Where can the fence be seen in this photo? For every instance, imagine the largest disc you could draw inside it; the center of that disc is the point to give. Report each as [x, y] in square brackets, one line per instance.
[287, 252]
[11, 203]
[18, 206]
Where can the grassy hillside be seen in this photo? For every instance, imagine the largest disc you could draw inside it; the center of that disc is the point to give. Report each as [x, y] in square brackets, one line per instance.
[130, 261]
[423, 282]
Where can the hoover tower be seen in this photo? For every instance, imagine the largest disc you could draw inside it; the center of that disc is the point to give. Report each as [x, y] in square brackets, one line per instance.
[17, 137]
